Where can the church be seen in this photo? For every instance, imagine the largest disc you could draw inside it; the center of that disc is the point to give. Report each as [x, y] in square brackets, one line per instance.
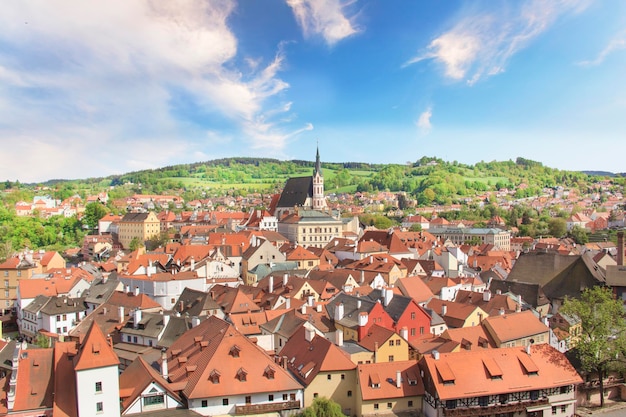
[303, 213]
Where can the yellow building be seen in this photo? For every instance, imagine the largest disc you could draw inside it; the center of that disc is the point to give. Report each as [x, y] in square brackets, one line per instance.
[24, 266]
[142, 226]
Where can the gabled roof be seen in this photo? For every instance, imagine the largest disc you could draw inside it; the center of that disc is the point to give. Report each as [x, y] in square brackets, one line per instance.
[306, 359]
[379, 380]
[65, 400]
[508, 327]
[376, 336]
[296, 192]
[137, 377]
[467, 370]
[415, 288]
[456, 313]
[95, 351]
[34, 390]
[214, 360]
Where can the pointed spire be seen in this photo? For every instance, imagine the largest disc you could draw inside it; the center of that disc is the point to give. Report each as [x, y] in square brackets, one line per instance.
[318, 164]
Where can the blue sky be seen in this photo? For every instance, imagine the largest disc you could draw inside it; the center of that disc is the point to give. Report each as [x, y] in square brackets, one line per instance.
[96, 88]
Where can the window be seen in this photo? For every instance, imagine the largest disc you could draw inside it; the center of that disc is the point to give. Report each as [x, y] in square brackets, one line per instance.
[564, 408]
[64, 317]
[422, 330]
[328, 377]
[412, 331]
[389, 405]
[157, 399]
[504, 398]
[343, 376]
[270, 397]
[248, 399]
[224, 401]
[99, 408]
[391, 343]
[534, 395]
[134, 339]
[6, 281]
[349, 393]
[483, 401]
[58, 318]
[390, 358]
[553, 410]
[6, 293]
[413, 315]
[285, 398]
[19, 273]
[205, 403]
[375, 406]
[410, 403]
[99, 386]
[6, 274]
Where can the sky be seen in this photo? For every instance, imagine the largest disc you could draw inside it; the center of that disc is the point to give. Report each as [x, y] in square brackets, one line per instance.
[91, 88]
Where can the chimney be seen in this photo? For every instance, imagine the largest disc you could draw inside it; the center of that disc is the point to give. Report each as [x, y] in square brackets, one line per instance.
[338, 311]
[285, 279]
[486, 295]
[388, 296]
[136, 290]
[166, 320]
[128, 289]
[435, 354]
[404, 332]
[363, 318]
[620, 248]
[444, 310]
[501, 311]
[498, 292]
[398, 379]
[303, 309]
[518, 307]
[120, 310]
[339, 337]
[311, 300]
[195, 321]
[136, 318]
[318, 308]
[358, 304]
[309, 334]
[288, 303]
[270, 288]
[164, 370]
[105, 278]
[362, 277]
[528, 349]
[371, 259]
[193, 264]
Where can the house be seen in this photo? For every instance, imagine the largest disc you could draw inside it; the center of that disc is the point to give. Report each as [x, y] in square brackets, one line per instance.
[516, 329]
[220, 371]
[310, 227]
[164, 288]
[532, 381]
[390, 268]
[322, 367]
[55, 316]
[261, 251]
[385, 388]
[385, 345]
[355, 315]
[140, 226]
[143, 389]
[457, 315]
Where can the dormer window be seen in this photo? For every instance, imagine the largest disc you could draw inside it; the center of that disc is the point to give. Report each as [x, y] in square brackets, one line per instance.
[214, 376]
[269, 372]
[234, 351]
[242, 375]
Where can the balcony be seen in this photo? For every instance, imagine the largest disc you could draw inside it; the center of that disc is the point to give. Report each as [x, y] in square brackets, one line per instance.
[266, 408]
[493, 409]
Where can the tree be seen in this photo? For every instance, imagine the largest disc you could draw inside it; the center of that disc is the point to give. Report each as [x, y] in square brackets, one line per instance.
[135, 244]
[557, 227]
[322, 407]
[579, 235]
[602, 343]
[415, 227]
[93, 213]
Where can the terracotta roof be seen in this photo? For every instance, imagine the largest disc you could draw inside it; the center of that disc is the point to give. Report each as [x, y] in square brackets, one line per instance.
[473, 337]
[415, 288]
[34, 374]
[215, 351]
[306, 359]
[136, 378]
[95, 351]
[65, 400]
[514, 326]
[376, 336]
[456, 313]
[467, 375]
[379, 380]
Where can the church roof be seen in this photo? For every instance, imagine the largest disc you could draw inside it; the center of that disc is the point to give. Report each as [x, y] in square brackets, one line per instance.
[296, 191]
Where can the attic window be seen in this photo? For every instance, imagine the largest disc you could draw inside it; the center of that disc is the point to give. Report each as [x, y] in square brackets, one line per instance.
[412, 378]
[234, 351]
[446, 374]
[493, 370]
[214, 376]
[242, 375]
[483, 343]
[95, 348]
[374, 381]
[269, 372]
[529, 366]
[182, 359]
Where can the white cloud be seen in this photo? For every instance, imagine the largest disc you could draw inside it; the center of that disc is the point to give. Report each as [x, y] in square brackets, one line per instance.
[109, 77]
[423, 121]
[480, 44]
[617, 43]
[325, 18]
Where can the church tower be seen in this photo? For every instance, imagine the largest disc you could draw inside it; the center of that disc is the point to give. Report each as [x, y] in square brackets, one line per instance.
[319, 202]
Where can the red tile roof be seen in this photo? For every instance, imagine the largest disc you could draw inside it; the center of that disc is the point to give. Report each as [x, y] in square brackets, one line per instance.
[34, 390]
[95, 351]
[379, 380]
